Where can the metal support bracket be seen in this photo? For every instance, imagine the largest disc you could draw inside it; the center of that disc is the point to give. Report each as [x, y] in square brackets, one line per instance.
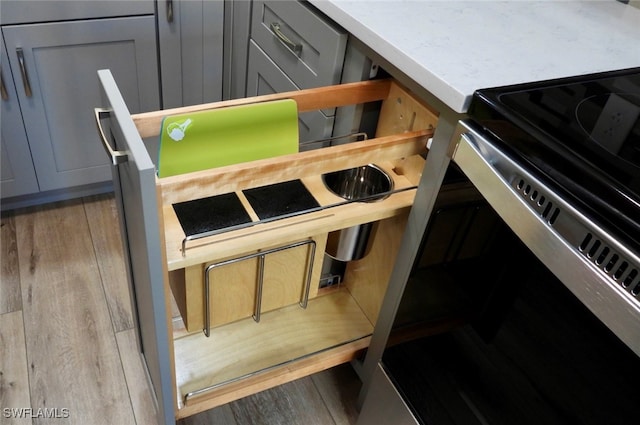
[260, 283]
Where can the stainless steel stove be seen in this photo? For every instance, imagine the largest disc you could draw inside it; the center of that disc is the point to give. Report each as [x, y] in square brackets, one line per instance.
[523, 304]
[565, 156]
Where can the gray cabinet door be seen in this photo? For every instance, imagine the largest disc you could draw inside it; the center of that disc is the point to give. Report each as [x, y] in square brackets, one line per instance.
[191, 51]
[237, 23]
[18, 177]
[54, 65]
[134, 182]
[308, 47]
[264, 77]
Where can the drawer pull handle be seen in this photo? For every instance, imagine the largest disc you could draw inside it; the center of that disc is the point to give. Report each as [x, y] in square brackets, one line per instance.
[117, 157]
[23, 71]
[169, 11]
[3, 88]
[294, 47]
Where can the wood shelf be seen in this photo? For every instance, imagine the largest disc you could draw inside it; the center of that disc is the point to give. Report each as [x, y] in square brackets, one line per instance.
[246, 349]
[336, 214]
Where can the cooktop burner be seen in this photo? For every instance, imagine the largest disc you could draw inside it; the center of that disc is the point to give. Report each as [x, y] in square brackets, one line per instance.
[609, 120]
[582, 134]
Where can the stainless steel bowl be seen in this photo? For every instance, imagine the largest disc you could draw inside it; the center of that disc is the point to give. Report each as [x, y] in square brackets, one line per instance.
[368, 183]
[359, 183]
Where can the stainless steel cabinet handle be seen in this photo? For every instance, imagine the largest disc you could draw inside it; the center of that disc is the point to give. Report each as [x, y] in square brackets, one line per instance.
[295, 48]
[23, 71]
[117, 157]
[170, 11]
[3, 89]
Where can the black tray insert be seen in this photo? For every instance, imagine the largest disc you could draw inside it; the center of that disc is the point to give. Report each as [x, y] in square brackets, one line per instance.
[212, 213]
[280, 199]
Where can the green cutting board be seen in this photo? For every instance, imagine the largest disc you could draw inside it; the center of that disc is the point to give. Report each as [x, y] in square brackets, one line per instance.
[217, 137]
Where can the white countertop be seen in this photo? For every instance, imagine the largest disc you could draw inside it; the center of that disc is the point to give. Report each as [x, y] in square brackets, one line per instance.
[451, 48]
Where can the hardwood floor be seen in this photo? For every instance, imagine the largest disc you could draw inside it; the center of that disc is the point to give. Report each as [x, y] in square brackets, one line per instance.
[67, 343]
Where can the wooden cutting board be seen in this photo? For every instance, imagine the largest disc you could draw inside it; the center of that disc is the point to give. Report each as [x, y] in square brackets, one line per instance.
[217, 137]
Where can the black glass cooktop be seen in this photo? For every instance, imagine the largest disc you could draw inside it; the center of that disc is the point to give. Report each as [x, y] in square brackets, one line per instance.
[582, 134]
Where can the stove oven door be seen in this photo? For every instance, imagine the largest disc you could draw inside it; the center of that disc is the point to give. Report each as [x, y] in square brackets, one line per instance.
[600, 272]
[549, 329]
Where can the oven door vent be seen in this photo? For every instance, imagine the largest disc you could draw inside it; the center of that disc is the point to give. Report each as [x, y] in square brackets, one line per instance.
[619, 270]
[537, 200]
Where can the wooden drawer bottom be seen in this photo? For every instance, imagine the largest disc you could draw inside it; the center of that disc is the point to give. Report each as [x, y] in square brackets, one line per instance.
[215, 370]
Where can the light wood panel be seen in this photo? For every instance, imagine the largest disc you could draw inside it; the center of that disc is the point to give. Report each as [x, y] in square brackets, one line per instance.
[233, 287]
[107, 243]
[281, 232]
[402, 112]
[215, 181]
[14, 377]
[245, 347]
[367, 279]
[233, 290]
[72, 355]
[10, 298]
[149, 123]
[337, 387]
[312, 364]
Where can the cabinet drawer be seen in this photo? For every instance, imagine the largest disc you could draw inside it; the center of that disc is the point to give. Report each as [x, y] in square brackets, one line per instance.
[21, 12]
[264, 77]
[194, 373]
[321, 44]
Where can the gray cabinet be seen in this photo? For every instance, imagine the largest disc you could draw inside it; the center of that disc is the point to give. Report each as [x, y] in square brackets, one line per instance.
[307, 46]
[18, 176]
[53, 67]
[190, 36]
[265, 77]
[294, 47]
[237, 24]
[290, 45]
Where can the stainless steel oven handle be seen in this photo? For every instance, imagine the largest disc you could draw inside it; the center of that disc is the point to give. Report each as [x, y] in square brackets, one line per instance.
[581, 254]
[473, 147]
[493, 171]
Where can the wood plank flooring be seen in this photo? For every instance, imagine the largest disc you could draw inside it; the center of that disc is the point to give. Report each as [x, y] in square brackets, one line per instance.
[67, 343]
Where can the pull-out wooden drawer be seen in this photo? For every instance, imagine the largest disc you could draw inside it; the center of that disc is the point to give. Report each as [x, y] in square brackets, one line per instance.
[242, 356]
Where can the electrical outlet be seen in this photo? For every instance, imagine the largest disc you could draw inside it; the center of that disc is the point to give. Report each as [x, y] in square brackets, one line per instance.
[615, 122]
